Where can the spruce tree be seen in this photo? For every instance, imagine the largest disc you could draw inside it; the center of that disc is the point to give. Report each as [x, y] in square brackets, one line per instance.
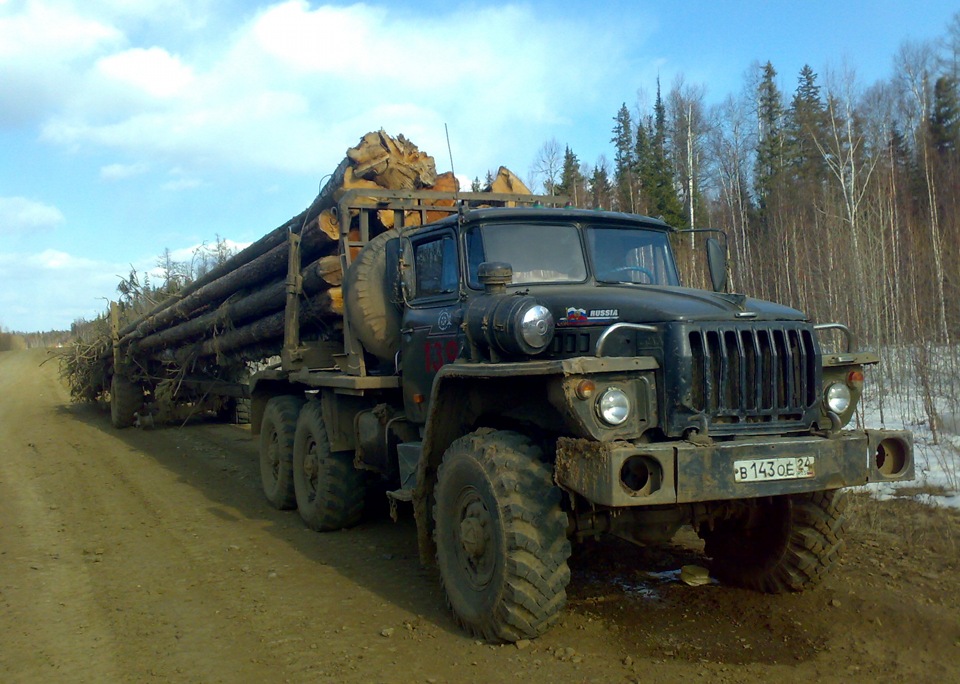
[804, 125]
[945, 117]
[572, 183]
[623, 161]
[770, 144]
[601, 190]
[664, 200]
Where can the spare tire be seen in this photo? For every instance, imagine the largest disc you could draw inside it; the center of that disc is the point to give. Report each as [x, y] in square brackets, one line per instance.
[374, 316]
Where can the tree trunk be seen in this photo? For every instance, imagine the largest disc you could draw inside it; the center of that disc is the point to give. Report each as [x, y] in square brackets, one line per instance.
[318, 276]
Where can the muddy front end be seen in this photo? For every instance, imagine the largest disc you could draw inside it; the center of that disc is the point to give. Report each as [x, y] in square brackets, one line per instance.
[725, 425]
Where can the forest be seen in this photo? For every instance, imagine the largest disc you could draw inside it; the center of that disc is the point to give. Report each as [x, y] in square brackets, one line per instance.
[838, 198]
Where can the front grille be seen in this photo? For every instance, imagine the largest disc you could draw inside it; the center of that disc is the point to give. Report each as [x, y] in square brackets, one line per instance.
[573, 342]
[747, 375]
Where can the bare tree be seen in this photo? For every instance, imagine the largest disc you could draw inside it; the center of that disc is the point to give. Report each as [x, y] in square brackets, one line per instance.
[688, 131]
[915, 63]
[548, 165]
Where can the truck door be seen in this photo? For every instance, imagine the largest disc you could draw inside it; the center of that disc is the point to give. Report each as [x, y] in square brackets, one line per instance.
[429, 334]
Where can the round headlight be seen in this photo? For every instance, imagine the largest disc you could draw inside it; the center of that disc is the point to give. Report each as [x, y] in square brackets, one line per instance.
[838, 397]
[536, 326]
[613, 406]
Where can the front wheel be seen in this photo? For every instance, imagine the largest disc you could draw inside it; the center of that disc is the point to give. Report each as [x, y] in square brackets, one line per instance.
[500, 535]
[779, 544]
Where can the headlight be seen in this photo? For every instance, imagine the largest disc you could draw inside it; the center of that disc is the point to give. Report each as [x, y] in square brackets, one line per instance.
[837, 397]
[613, 406]
[509, 324]
[536, 326]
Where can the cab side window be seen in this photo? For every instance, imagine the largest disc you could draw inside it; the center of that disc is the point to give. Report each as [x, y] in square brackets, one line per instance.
[436, 266]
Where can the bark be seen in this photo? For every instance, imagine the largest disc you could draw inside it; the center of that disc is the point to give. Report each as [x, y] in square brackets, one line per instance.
[377, 161]
[315, 310]
[317, 277]
[275, 238]
[271, 265]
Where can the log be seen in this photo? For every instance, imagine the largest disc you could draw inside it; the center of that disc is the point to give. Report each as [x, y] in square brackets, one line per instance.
[507, 181]
[378, 158]
[315, 310]
[318, 276]
[392, 163]
[446, 182]
[271, 265]
[273, 239]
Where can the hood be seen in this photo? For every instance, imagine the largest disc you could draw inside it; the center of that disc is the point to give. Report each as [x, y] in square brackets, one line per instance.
[605, 304]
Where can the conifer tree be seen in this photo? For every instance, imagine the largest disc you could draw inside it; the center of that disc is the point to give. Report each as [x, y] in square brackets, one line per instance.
[623, 160]
[804, 125]
[601, 189]
[572, 183]
[945, 117]
[769, 163]
[659, 180]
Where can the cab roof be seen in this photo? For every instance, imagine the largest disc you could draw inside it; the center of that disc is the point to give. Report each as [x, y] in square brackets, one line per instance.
[542, 215]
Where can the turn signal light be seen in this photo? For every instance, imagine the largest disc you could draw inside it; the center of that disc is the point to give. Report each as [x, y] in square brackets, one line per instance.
[585, 389]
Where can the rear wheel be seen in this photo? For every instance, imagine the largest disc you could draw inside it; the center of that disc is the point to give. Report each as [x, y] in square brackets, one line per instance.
[235, 411]
[330, 491]
[276, 450]
[501, 537]
[780, 544]
[126, 399]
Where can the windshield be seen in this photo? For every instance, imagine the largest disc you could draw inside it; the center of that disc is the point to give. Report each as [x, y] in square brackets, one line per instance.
[627, 255]
[538, 253]
[554, 253]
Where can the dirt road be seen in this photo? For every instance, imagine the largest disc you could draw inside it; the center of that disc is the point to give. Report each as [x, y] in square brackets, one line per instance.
[151, 556]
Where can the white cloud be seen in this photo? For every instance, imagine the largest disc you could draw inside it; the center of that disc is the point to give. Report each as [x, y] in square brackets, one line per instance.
[112, 172]
[43, 50]
[44, 31]
[51, 289]
[19, 214]
[294, 85]
[180, 184]
[153, 71]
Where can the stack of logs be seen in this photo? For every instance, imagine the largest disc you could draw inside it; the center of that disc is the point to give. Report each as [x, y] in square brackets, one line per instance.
[237, 309]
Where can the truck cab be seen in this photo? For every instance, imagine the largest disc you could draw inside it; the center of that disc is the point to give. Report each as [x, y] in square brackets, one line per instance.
[541, 376]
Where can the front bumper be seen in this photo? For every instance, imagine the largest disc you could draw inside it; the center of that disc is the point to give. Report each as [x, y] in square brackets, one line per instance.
[629, 474]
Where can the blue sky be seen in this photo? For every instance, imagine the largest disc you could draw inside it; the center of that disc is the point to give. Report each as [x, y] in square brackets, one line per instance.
[131, 127]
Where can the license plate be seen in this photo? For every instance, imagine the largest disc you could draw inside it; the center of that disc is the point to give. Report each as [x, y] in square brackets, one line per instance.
[764, 469]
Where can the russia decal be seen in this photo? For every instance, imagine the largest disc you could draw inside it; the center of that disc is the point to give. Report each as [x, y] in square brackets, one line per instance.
[578, 316]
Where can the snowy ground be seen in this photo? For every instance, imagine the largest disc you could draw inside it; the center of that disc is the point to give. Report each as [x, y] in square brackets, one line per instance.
[920, 395]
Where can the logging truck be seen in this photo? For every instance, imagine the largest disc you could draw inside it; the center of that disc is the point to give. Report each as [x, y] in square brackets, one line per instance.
[527, 376]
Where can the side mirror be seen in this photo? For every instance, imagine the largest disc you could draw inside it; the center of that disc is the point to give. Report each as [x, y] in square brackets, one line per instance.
[717, 262]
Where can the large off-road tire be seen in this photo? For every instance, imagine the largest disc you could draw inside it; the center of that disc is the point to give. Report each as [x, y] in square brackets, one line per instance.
[126, 399]
[374, 318]
[784, 543]
[501, 537]
[330, 491]
[235, 410]
[277, 432]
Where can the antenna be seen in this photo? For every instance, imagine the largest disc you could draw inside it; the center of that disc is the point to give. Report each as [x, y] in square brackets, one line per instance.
[456, 183]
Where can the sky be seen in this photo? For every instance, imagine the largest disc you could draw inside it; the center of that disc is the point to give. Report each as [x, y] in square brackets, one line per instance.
[128, 127]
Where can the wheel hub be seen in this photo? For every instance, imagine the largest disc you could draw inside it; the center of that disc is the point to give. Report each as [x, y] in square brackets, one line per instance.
[475, 540]
[472, 537]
